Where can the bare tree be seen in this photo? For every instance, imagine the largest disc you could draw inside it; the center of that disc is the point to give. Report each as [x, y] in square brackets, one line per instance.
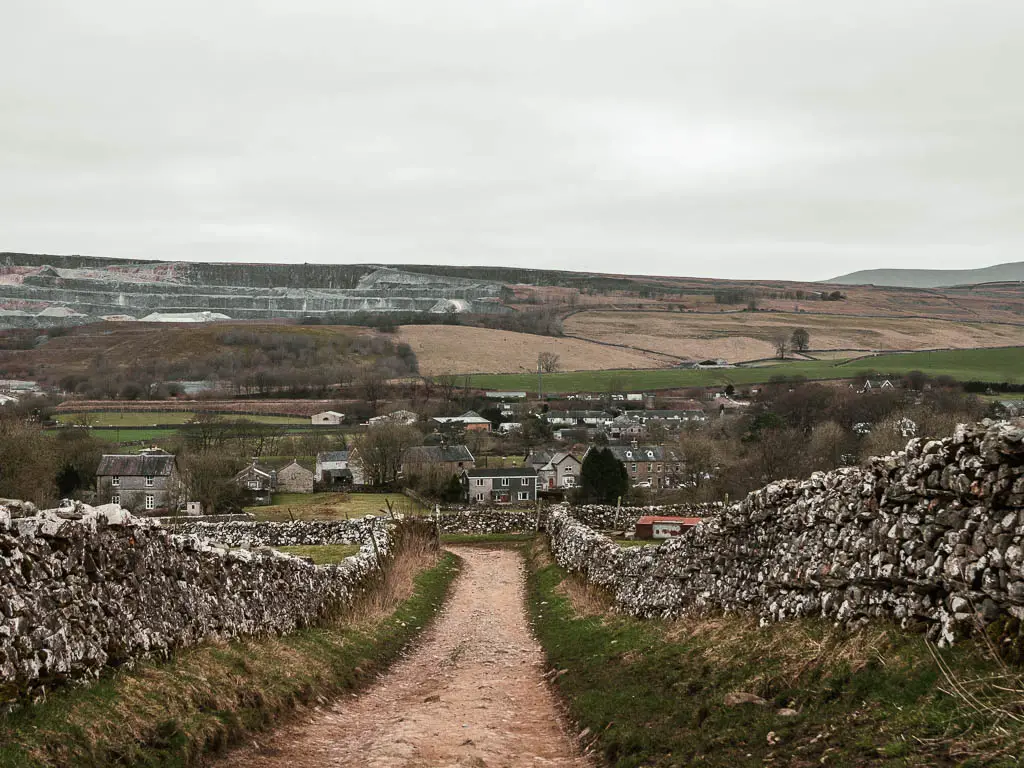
[378, 452]
[782, 347]
[447, 384]
[548, 362]
[373, 386]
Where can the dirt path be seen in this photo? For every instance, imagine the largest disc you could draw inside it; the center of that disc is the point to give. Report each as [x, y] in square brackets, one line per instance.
[470, 694]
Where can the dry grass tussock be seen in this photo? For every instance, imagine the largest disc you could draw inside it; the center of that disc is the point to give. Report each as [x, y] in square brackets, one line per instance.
[795, 647]
[419, 551]
[585, 598]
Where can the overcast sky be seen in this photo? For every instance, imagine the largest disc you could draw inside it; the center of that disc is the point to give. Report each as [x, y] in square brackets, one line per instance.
[790, 139]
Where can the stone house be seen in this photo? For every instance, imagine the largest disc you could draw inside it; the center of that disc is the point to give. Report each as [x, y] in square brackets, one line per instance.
[501, 485]
[148, 483]
[447, 460]
[259, 482]
[651, 466]
[555, 471]
[327, 418]
[332, 470]
[295, 478]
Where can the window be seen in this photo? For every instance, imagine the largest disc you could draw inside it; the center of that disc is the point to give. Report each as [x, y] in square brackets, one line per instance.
[568, 482]
[504, 482]
[650, 468]
[568, 470]
[150, 501]
[524, 481]
[633, 470]
[115, 499]
[479, 497]
[254, 485]
[149, 481]
[658, 468]
[115, 481]
[524, 495]
[480, 481]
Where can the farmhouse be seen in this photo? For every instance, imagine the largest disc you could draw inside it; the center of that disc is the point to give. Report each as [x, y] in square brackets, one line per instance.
[147, 483]
[331, 418]
[395, 417]
[663, 527]
[332, 469]
[422, 460]
[295, 478]
[555, 471]
[258, 481]
[502, 485]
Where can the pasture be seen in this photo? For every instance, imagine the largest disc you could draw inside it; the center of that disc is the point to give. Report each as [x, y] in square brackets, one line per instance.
[153, 418]
[996, 365]
[333, 506]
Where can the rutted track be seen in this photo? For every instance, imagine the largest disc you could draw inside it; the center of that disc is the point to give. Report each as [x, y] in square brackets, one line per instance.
[471, 694]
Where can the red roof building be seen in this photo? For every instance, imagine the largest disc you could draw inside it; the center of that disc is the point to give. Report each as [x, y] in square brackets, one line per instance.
[663, 526]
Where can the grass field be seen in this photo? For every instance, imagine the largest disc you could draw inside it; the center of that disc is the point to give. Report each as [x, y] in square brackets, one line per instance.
[333, 506]
[131, 435]
[324, 554]
[738, 336]
[996, 365]
[149, 418]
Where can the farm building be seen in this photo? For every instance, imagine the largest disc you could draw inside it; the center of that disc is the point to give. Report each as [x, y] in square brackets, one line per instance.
[145, 484]
[471, 420]
[295, 478]
[663, 527]
[502, 485]
[328, 418]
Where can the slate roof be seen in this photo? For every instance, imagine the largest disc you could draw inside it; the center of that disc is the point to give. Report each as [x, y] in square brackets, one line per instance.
[437, 454]
[502, 472]
[129, 465]
[627, 453]
[332, 456]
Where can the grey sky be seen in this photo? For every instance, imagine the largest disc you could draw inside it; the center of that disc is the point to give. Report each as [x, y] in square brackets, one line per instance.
[795, 139]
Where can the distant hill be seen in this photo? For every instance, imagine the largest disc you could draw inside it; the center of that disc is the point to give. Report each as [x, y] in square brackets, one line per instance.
[933, 278]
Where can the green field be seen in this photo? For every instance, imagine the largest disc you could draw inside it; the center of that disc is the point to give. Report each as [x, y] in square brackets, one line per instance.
[324, 554]
[997, 365]
[150, 418]
[332, 506]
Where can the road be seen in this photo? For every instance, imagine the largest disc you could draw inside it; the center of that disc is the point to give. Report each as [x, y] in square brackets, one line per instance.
[470, 693]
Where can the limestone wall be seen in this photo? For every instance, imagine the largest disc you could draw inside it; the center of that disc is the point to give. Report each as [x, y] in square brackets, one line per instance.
[932, 536]
[78, 595]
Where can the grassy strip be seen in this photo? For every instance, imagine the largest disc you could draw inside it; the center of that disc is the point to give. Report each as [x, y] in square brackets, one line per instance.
[652, 693]
[207, 698]
[322, 554]
[333, 506]
[963, 365]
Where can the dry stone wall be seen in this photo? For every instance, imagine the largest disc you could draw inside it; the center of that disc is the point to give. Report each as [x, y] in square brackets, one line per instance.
[931, 537]
[245, 533]
[86, 588]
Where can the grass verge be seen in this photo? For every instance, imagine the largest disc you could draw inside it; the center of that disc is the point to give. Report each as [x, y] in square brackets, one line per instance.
[207, 698]
[652, 693]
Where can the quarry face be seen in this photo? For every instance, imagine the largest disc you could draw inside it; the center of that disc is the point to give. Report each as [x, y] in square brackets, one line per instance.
[45, 291]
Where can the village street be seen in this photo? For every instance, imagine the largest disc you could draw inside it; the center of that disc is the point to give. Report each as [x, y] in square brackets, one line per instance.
[470, 694]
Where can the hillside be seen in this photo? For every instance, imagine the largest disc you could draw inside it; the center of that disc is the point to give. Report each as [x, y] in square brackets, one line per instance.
[933, 278]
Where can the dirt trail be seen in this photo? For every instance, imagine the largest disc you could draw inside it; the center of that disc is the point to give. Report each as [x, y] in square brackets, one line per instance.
[470, 694]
